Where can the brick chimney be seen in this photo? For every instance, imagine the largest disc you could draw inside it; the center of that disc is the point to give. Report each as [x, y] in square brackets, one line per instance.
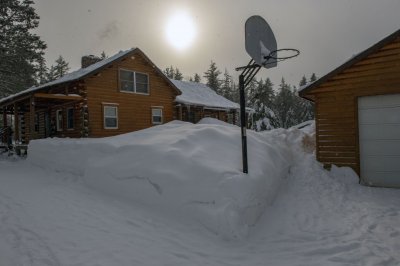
[88, 60]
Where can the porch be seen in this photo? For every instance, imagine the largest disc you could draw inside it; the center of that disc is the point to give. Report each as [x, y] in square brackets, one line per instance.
[39, 115]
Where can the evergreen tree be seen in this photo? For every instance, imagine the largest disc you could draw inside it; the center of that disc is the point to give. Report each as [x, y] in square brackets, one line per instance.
[313, 77]
[305, 107]
[197, 78]
[61, 67]
[212, 77]
[103, 55]
[58, 70]
[262, 103]
[226, 84]
[303, 81]
[178, 75]
[42, 72]
[233, 95]
[51, 74]
[20, 49]
[285, 106]
[169, 72]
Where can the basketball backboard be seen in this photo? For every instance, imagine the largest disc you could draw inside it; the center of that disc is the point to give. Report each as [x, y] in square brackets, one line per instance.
[260, 41]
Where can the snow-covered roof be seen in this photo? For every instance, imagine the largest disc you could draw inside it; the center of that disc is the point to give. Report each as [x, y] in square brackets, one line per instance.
[304, 90]
[75, 75]
[199, 94]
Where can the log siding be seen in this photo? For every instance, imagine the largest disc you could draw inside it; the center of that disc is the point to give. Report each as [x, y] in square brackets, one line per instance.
[376, 72]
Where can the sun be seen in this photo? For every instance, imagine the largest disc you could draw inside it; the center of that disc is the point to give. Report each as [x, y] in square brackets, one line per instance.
[180, 30]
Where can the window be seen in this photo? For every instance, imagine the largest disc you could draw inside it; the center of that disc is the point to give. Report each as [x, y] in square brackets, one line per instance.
[70, 118]
[37, 122]
[142, 83]
[110, 117]
[133, 82]
[59, 120]
[126, 80]
[156, 114]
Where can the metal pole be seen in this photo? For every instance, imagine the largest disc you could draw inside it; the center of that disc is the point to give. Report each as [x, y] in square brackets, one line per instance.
[243, 123]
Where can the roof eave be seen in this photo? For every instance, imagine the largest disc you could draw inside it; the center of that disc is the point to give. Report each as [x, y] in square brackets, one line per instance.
[304, 93]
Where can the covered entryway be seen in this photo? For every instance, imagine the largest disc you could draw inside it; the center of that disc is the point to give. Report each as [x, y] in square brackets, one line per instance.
[379, 139]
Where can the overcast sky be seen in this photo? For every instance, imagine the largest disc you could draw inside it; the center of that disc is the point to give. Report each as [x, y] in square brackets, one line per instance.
[327, 32]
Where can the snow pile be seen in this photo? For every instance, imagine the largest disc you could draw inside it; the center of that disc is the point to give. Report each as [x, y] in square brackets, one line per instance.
[319, 217]
[182, 168]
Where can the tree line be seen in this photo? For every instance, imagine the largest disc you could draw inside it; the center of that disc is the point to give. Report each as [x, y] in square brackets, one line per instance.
[273, 107]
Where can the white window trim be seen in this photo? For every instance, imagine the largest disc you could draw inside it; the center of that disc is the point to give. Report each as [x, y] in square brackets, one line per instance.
[59, 127]
[134, 82]
[104, 116]
[73, 121]
[152, 116]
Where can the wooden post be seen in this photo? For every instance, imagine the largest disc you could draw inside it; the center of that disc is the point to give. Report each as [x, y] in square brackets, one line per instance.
[4, 116]
[31, 118]
[180, 112]
[16, 123]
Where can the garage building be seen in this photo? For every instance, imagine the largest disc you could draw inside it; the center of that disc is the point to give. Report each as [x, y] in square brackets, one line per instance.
[357, 114]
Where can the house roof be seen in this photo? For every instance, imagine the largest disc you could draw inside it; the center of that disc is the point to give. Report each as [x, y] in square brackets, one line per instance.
[84, 72]
[304, 90]
[199, 94]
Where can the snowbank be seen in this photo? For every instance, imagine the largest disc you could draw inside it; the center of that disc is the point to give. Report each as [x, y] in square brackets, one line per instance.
[183, 169]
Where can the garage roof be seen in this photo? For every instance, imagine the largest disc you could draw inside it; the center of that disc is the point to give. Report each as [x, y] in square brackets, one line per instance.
[309, 87]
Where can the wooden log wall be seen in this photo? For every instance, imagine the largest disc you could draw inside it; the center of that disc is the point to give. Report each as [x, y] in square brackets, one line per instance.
[134, 110]
[337, 109]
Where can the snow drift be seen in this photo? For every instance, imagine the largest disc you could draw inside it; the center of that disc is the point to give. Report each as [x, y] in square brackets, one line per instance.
[182, 168]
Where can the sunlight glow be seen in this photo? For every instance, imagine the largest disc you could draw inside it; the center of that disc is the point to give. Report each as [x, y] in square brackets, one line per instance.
[180, 30]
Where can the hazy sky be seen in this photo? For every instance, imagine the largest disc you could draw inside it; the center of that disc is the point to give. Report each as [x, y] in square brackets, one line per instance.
[327, 32]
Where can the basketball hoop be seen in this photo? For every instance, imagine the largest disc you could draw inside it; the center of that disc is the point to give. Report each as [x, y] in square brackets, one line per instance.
[262, 47]
[282, 54]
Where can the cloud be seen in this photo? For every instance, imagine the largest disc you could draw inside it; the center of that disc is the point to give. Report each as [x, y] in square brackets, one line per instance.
[109, 31]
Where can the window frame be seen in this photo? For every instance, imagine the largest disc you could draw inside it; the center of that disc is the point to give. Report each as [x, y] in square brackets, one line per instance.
[104, 116]
[59, 122]
[161, 116]
[134, 82]
[37, 122]
[68, 118]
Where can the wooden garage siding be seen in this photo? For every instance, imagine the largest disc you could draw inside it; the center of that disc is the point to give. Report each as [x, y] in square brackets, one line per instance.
[134, 110]
[336, 104]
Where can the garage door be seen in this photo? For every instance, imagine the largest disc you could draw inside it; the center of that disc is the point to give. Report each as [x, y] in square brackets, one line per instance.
[379, 136]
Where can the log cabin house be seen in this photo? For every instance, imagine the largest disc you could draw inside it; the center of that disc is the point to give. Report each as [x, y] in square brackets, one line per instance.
[357, 114]
[120, 94]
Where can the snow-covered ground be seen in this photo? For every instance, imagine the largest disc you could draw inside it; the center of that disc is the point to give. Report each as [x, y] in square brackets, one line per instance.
[175, 195]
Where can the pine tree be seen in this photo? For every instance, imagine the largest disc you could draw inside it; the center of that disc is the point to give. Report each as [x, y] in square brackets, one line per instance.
[226, 84]
[303, 81]
[169, 72]
[305, 107]
[285, 106]
[61, 67]
[197, 78]
[42, 72]
[212, 77]
[58, 70]
[313, 77]
[103, 55]
[51, 74]
[20, 49]
[264, 117]
[178, 74]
